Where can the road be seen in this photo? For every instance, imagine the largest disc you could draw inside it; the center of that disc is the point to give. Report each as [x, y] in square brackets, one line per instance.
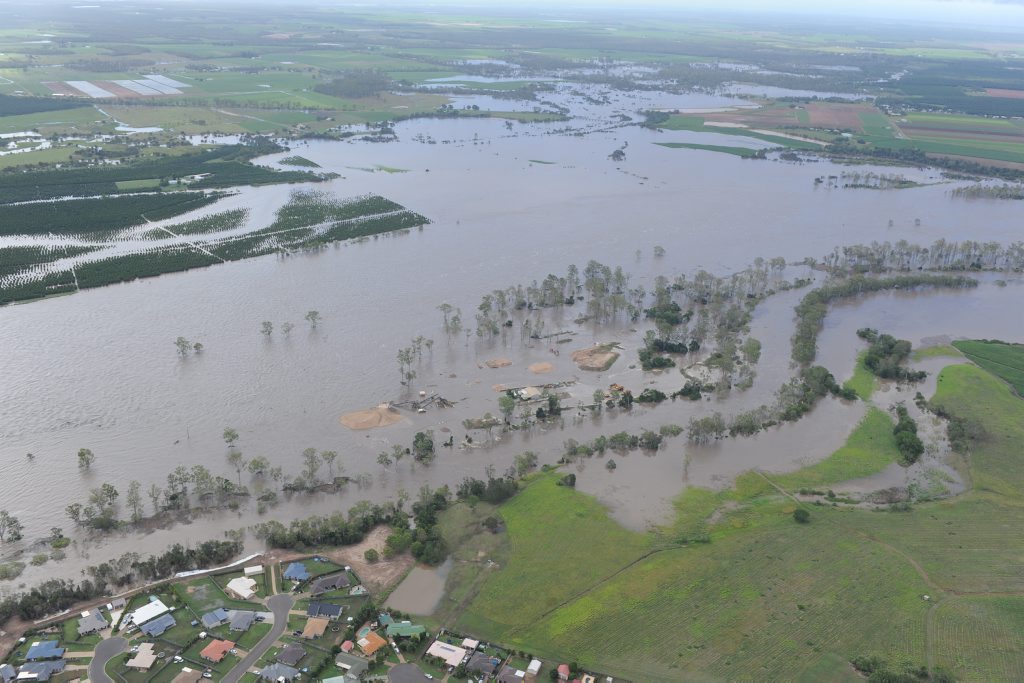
[105, 651]
[280, 605]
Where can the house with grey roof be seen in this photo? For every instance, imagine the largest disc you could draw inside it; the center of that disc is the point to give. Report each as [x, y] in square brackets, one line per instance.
[44, 649]
[330, 583]
[324, 609]
[291, 655]
[92, 621]
[158, 626]
[40, 671]
[215, 618]
[278, 672]
[241, 620]
[297, 571]
[7, 673]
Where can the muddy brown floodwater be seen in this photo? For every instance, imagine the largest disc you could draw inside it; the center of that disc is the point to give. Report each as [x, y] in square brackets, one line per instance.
[99, 369]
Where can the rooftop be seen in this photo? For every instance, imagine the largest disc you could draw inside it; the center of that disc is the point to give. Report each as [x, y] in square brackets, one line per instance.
[44, 649]
[278, 672]
[296, 571]
[323, 609]
[158, 626]
[188, 675]
[370, 643]
[216, 650]
[451, 654]
[40, 671]
[315, 627]
[292, 654]
[152, 609]
[330, 583]
[241, 620]
[214, 618]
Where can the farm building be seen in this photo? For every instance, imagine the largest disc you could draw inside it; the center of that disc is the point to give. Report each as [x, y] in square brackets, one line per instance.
[254, 570]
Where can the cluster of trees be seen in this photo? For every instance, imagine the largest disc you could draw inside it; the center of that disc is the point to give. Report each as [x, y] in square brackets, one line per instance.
[1004, 191]
[877, 670]
[940, 255]
[811, 311]
[495, 490]
[414, 351]
[916, 157]
[356, 84]
[620, 442]
[886, 355]
[907, 441]
[336, 529]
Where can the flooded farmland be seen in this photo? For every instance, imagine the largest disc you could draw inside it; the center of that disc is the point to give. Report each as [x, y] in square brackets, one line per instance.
[510, 203]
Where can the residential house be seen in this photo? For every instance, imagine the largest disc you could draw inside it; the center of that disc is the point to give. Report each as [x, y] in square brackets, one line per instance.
[151, 610]
[370, 643]
[91, 622]
[354, 667]
[297, 572]
[44, 649]
[188, 675]
[563, 672]
[7, 673]
[404, 629]
[144, 658]
[157, 627]
[324, 609]
[470, 644]
[278, 672]
[451, 654]
[347, 646]
[40, 671]
[241, 587]
[509, 674]
[483, 664]
[315, 628]
[241, 620]
[216, 650]
[291, 655]
[330, 583]
[215, 618]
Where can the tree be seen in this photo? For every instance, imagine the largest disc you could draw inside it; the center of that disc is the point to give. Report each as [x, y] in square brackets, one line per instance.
[329, 457]
[287, 328]
[507, 405]
[198, 347]
[74, 512]
[492, 524]
[383, 459]
[184, 345]
[230, 436]
[371, 555]
[525, 462]
[802, 516]
[10, 527]
[236, 460]
[313, 317]
[85, 458]
[258, 466]
[134, 500]
[154, 496]
[267, 328]
[311, 459]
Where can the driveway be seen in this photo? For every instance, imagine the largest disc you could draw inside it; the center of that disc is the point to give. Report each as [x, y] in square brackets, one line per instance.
[280, 605]
[105, 651]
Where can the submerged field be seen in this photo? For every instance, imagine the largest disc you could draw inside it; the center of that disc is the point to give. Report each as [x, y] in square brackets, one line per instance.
[757, 595]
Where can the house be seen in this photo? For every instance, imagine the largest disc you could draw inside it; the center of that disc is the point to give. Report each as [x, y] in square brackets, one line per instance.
[291, 655]
[241, 620]
[215, 618]
[315, 628]
[116, 603]
[216, 650]
[330, 583]
[92, 621]
[144, 658]
[7, 673]
[563, 672]
[470, 644]
[151, 610]
[278, 672]
[188, 675]
[370, 643]
[509, 674]
[451, 654]
[483, 664]
[405, 629]
[157, 627]
[354, 667]
[347, 646]
[533, 670]
[324, 609]
[40, 671]
[44, 649]
[297, 572]
[241, 587]
[254, 570]
[385, 619]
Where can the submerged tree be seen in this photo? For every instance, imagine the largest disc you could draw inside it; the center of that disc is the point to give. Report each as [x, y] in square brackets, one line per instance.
[313, 317]
[85, 458]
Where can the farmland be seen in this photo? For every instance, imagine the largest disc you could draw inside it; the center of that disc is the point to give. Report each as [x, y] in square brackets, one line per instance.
[1001, 359]
[769, 596]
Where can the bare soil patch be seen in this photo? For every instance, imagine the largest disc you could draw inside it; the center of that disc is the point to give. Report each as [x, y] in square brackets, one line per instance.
[381, 416]
[495, 363]
[596, 359]
[541, 368]
[830, 115]
[1005, 92]
[62, 88]
[381, 575]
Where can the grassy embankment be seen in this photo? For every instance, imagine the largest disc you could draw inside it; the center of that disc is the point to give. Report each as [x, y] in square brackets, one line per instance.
[761, 596]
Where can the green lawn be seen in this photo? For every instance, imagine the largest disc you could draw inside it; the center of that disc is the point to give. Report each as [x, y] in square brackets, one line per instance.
[204, 595]
[744, 152]
[863, 382]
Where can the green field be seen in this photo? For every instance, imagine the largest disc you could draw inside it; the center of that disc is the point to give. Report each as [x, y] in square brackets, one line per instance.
[744, 152]
[863, 382]
[765, 598]
[696, 124]
[1001, 359]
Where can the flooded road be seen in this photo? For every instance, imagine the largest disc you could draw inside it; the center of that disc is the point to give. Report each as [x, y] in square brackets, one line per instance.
[99, 369]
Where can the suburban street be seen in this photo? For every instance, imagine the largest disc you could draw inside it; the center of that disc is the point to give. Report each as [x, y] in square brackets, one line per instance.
[280, 605]
[105, 651]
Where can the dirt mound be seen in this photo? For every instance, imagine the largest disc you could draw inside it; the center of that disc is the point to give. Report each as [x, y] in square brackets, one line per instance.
[381, 416]
[498, 363]
[541, 368]
[596, 358]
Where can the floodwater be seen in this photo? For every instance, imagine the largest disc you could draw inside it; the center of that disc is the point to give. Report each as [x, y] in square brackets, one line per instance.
[99, 369]
[421, 590]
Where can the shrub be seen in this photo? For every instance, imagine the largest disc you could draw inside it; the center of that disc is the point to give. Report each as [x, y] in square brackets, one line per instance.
[371, 555]
[802, 516]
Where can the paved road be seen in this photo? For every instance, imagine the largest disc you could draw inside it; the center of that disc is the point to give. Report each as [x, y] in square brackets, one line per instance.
[105, 651]
[280, 605]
